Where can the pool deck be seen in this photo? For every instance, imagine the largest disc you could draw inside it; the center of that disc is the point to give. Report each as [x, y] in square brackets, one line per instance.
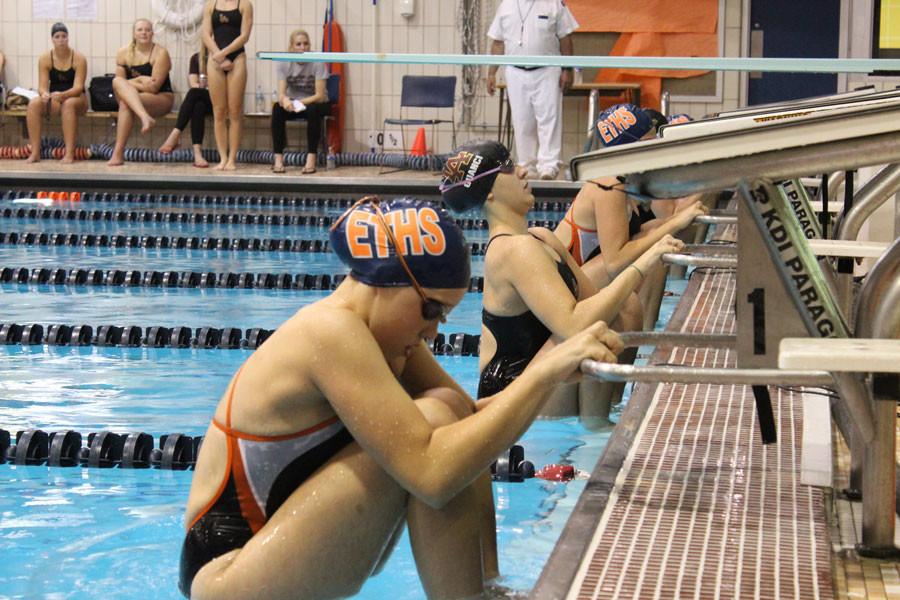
[687, 502]
[343, 181]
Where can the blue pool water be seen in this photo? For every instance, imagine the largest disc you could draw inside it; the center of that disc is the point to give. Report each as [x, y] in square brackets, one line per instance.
[70, 533]
[78, 531]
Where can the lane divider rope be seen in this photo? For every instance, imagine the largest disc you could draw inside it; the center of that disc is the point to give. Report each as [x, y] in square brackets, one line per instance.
[158, 216]
[90, 240]
[181, 279]
[226, 338]
[239, 200]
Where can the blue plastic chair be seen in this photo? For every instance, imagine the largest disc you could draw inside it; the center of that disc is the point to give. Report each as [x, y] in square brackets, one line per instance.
[424, 91]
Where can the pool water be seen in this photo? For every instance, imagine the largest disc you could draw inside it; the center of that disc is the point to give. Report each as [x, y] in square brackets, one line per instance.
[94, 531]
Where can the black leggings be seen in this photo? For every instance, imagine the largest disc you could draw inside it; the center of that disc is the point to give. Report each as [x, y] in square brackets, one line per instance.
[195, 108]
[313, 114]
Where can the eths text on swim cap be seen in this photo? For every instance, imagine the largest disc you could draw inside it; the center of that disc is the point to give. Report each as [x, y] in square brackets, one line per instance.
[431, 242]
[622, 124]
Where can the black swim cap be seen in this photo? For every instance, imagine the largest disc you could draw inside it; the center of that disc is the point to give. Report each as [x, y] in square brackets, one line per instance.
[57, 27]
[470, 172]
[432, 244]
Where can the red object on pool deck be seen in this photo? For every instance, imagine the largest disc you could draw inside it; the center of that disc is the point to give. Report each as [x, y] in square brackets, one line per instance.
[419, 148]
[333, 41]
[556, 473]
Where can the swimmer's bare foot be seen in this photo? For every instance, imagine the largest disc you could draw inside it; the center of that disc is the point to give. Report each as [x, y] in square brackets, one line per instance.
[230, 166]
[33, 158]
[147, 124]
[115, 161]
[68, 159]
[199, 161]
[171, 143]
[220, 166]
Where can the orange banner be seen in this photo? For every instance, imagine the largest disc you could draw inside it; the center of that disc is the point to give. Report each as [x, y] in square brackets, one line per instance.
[632, 16]
[657, 44]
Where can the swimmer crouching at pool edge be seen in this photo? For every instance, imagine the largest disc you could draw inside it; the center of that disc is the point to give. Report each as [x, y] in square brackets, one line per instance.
[342, 428]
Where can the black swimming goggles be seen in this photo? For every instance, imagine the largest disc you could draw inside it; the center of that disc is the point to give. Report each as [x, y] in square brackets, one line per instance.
[507, 166]
[432, 309]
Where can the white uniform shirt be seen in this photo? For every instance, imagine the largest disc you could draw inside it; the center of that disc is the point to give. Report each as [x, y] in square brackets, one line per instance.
[532, 27]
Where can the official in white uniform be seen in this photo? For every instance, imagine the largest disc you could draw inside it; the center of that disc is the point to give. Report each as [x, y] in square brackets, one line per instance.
[534, 27]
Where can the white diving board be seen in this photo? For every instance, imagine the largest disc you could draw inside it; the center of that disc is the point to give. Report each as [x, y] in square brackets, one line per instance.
[830, 98]
[793, 145]
[738, 123]
[847, 248]
[852, 355]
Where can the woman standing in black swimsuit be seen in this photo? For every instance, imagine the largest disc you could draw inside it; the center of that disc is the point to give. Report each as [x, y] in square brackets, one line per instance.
[534, 291]
[61, 75]
[142, 85]
[226, 29]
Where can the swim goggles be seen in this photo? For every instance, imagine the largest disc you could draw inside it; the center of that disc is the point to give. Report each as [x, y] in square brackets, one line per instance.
[432, 309]
[508, 166]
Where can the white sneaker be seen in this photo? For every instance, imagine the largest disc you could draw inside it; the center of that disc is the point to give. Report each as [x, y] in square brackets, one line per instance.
[531, 173]
[549, 175]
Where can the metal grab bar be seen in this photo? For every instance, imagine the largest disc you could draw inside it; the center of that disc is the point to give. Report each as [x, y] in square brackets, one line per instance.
[669, 338]
[687, 260]
[878, 316]
[714, 249]
[620, 373]
[716, 219]
[870, 197]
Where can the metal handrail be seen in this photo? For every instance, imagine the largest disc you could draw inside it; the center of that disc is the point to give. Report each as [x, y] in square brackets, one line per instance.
[875, 193]
[716, 219]
[878, 316]
[688, 260]
[673, 338]
[618, 373]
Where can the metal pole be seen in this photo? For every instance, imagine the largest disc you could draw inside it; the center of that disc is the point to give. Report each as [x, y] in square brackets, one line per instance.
[618, 373]
[716, 262]
[879, 317]
[875, 193]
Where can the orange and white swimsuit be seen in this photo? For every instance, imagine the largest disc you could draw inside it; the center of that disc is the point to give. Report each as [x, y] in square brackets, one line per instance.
[261, 472]
[584, 244]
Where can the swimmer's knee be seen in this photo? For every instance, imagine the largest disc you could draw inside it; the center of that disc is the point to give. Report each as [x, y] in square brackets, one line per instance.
[436, 412]
[458, 403]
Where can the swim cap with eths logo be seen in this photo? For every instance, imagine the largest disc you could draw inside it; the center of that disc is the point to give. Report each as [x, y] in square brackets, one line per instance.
[432, 244]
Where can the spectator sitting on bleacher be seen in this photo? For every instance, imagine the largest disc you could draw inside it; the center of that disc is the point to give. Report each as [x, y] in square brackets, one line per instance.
[195, 108]
[302, 94]
[142, 85]
[61, 75]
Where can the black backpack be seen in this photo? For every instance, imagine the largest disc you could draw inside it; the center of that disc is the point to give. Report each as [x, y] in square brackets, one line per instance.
[101, 91]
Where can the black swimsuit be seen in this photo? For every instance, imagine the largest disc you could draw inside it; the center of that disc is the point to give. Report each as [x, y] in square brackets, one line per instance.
[146, 70]
[226, 26]
[260, 474]
[519, 338]
[60, 80]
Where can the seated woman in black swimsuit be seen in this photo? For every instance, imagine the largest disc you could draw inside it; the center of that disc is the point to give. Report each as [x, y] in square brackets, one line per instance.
[226, 29]
[61, 75]
[533, 289]
[142, 85]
